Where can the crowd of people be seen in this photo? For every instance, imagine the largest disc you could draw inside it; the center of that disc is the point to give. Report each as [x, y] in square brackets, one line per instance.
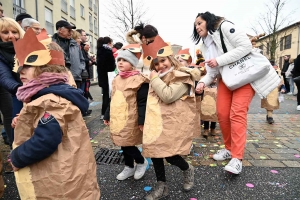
[44, 88]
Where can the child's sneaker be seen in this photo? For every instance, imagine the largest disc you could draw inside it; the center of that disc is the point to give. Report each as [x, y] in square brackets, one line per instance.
[140, 170]
[161, 190]
[222, 154]
[126, 173]
[188, 176]
[234, 166]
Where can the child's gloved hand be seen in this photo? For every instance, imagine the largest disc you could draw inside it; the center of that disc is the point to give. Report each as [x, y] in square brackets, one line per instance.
[106, 122]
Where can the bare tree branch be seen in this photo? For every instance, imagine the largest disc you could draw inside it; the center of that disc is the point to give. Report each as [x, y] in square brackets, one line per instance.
[124, 15]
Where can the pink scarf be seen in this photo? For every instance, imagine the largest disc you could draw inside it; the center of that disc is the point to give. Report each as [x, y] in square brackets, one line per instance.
[127, 74]
[44, 80]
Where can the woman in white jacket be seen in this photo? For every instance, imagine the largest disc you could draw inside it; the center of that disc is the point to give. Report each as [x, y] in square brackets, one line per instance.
[232, 106]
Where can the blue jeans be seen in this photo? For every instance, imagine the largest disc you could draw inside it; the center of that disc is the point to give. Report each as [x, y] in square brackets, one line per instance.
[291, 82]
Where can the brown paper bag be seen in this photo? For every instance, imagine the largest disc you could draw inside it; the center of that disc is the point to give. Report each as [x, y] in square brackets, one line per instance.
[209, 105]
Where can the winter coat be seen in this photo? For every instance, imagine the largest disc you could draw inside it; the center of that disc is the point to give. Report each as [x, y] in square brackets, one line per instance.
[105, 63]
[52, 147]
[76, 58]
[237, 43]
[288, 73]
[8, 79]
[296, 70]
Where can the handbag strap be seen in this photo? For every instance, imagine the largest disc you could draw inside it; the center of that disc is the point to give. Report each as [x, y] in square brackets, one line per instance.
[222, 38]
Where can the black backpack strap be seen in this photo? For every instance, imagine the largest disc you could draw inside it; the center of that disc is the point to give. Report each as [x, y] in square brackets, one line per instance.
[222, 39]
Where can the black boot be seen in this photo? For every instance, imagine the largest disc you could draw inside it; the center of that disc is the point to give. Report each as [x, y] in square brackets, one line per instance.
[270, 120]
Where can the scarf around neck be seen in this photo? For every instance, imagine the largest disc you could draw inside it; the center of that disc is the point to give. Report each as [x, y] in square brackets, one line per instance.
[126, 74]
[44, 80]
[8, 52]
[212, 52]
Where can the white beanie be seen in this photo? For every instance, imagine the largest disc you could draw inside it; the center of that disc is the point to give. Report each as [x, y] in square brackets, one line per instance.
[129, 56]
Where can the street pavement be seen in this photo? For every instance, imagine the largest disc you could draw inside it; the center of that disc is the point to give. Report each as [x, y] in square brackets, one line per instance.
[271, 163]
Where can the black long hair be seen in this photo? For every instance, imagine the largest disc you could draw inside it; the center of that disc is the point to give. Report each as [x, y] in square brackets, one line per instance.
[211, 24]
[148, 31]
[103, 40]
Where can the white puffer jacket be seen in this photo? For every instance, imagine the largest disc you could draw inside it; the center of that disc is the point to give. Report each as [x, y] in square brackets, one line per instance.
[238, 45]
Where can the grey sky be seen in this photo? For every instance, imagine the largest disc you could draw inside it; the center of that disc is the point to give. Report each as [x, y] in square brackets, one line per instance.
[174, 19]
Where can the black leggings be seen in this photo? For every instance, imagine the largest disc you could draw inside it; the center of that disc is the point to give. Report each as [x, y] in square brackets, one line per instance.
[298, 94]
[212, 125]
[105, 99]
[159, 168]
[131, 154]
[6, 107]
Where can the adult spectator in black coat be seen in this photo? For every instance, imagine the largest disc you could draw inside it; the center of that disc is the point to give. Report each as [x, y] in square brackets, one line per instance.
[296, 73]
[105, 63]
[284, 69]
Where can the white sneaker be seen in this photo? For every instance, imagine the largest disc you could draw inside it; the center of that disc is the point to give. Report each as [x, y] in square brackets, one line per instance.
[289, 93]
[222, 154]
[298, 107]
[234, 166]
[140, 170]
[126, 173]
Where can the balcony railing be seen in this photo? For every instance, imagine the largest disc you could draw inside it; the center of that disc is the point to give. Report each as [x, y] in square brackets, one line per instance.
[72, 12]
[91, 4]
[17, 10]
[64, 6]
[49, 28]
[95, 9]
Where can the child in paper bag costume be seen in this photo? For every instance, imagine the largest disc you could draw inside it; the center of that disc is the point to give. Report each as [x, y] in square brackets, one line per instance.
[126, 113]
[171, 117]
[52, 156]
[270, 103]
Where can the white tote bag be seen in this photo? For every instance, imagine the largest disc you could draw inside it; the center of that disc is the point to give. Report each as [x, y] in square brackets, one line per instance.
[245, 70]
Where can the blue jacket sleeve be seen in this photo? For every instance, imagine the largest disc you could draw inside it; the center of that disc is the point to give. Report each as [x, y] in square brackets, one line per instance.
[7, 80]
[142, 95]
[44, 142]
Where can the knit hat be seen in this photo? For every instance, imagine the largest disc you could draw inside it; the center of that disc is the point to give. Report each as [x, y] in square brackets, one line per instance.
[22, 16]
[129, 56]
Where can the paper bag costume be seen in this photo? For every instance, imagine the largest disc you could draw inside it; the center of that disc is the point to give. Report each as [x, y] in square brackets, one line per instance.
[124, 128]
[70, 172]
[209, 105]
[169, 128]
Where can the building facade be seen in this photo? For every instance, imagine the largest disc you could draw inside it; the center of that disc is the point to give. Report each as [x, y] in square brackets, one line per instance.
[289, 43]
[84, 14]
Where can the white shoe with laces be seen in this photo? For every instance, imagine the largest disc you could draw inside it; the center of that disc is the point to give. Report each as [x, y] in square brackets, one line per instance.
[140, 170]
[298, 107]
[222, 154]
[126, 173]
[234, 166]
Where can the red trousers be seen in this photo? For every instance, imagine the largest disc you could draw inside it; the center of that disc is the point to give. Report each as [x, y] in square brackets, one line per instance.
[232, 108]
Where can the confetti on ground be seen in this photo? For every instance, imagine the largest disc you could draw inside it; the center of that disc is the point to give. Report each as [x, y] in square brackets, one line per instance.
[213, 165]
[202, 145]
[95, 132]
[250, 185]
[212, 150]
[196, 154]
[95, 142]
[92, 140]
[121, 151]
[193, 199]
[224, 163]
[147, 188]
[297, 156]
[262, 157]
[274, 171]
[275, 142]
[279, 145]
[215, 145]
[222, 146]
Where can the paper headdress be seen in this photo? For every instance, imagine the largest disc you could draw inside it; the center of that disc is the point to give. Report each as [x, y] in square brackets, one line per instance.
[184, 54]
[157, 48]
[135, 49]
[33, 50]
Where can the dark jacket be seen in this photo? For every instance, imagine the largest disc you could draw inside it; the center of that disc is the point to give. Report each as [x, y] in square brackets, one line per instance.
[76, 58]
[8, 79]
[285, 66]
[296, 70]
[141, 100]
[48, 134]
[105, 63]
